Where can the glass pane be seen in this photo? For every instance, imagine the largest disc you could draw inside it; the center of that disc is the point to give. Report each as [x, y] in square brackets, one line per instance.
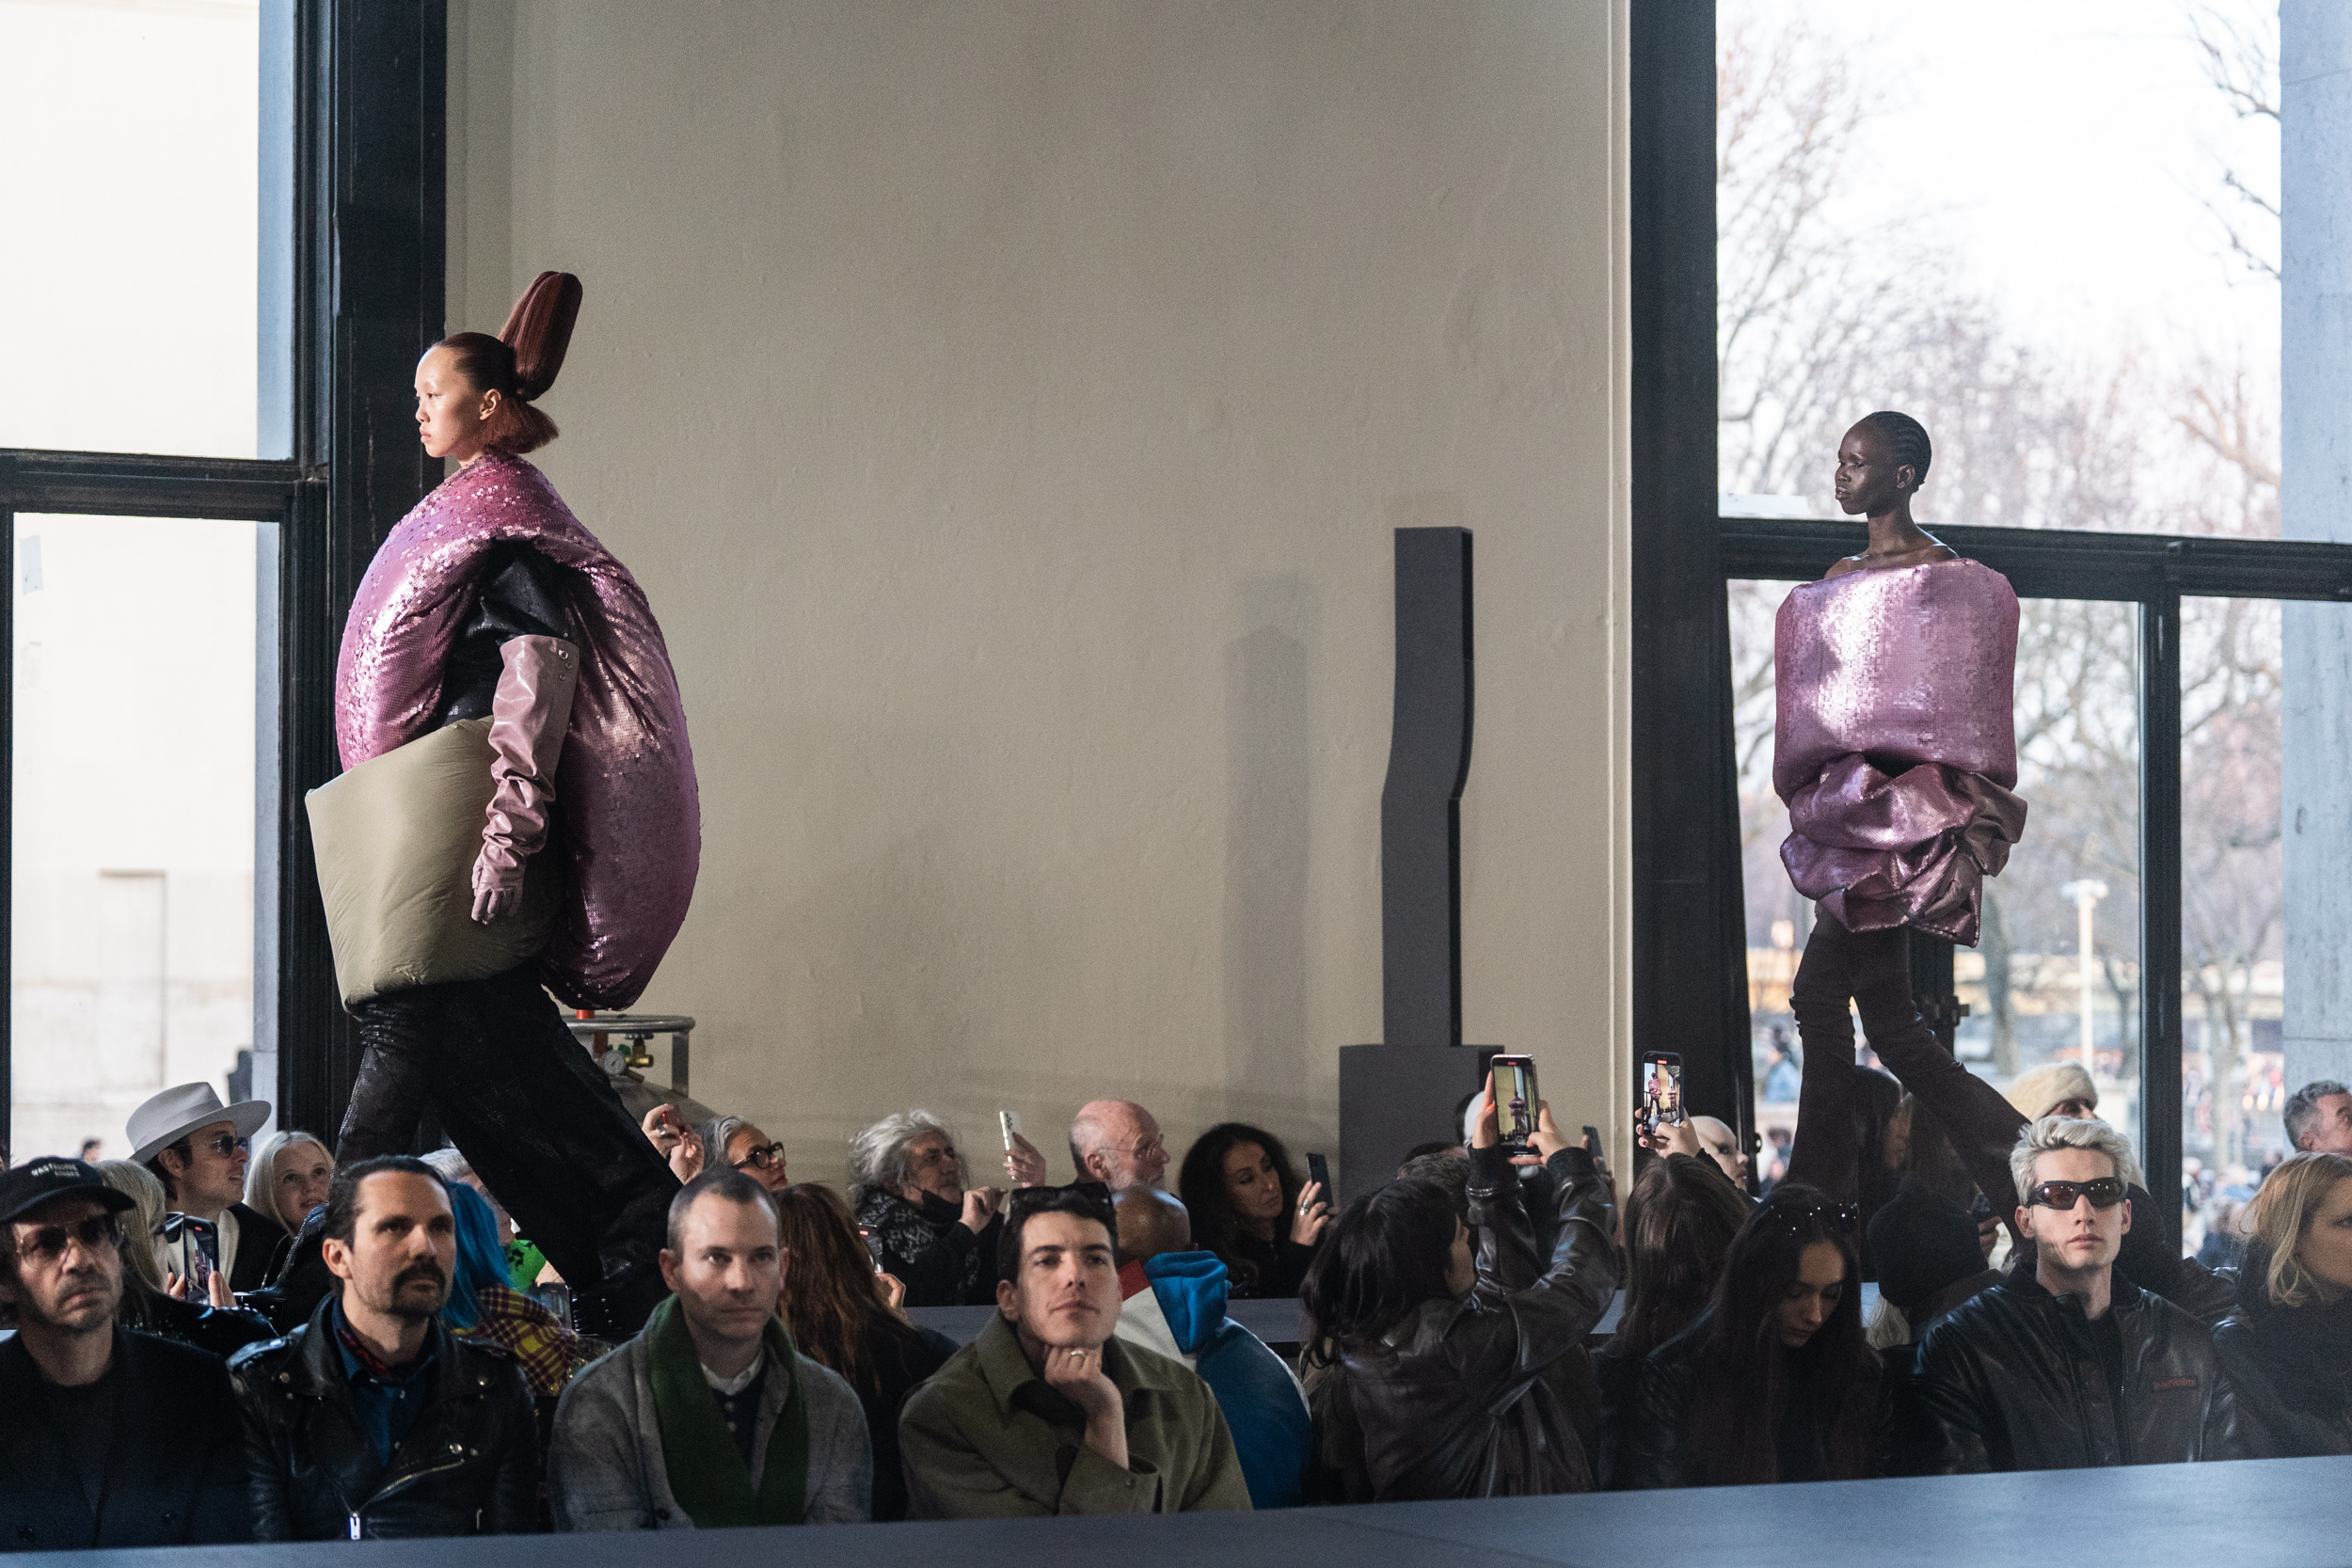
[2233, 969]
[2046, 231]
[133, 955]
[131, 290]
[2024, 984]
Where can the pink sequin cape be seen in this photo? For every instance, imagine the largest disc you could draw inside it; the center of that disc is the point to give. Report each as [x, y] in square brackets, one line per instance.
[627, 813]
[1897, 747]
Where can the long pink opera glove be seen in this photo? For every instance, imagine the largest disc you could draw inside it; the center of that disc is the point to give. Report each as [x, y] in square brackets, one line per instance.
[528, 716]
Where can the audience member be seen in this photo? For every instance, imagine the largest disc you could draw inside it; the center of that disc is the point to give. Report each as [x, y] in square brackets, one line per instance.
[373, 1419]
[732, 1141]
[196, 1147]
[710, 1417]
[1774, 1382]
[1721, 1145]
[1117, 1143]
[840, 1314]
[1249, 1208]
[1930, 1260]
[484, 1307]
[148, 1303]
[288, 1178]
[2288, 1348]
[1783, 1077]
[936, 1234]
[1679, 1221]
[1430, 1359]
[2065, 1363]
[2318, 1118]
[1172, 1303]
[107, 1438]
[2055, 1089]
[1046, 1411]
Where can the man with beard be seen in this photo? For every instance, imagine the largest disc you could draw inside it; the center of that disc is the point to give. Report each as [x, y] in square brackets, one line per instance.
[373, 1419]
[106, 1438]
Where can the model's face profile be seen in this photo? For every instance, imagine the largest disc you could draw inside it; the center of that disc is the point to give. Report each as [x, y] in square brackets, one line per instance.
[451, 413]
[1869, 482]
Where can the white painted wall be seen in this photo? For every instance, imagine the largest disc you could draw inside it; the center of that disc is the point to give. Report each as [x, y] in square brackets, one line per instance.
[1006, 407]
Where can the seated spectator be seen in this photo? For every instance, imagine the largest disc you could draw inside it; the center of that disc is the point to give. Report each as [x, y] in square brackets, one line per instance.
[1172, 1303]
[2065, 1364]
[484, 1307]
[1774, 1382]
[1431, 1357]
[937, 1234]
[1679, 1221]
[288, 1178]
[2055, 1089]
[1931, 1259]
[526, 1265]
[1046, 1411]
[840, 1314]
[107, 1438]
[709, 1417]
[148, 1303]
[1248, 1207]
[373, 1419]
[1117, 1143]
[737, 1145]
[1721, 1145]
[196, 1147]
[2318, 1118]
[2288, 1348]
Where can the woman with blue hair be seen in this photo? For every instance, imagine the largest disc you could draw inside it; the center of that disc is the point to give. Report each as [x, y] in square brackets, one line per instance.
[482, 1305]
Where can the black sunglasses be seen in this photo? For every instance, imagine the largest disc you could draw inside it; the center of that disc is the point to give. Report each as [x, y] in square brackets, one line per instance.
[223, 1144]
[763, 1158]
[2105, 1193]
[49, 1241]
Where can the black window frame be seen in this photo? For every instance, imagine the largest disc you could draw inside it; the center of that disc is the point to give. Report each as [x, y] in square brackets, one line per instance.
[1689, 902]
[368, 105]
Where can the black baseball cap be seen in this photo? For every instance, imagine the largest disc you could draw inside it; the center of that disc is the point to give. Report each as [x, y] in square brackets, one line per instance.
[35, 1181]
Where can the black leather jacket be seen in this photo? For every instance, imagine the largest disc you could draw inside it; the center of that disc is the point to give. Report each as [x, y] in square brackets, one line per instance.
[1455, 1401]
[1654, 1448]
[469, 1466]
[2291, 1367]
[2012, 1380]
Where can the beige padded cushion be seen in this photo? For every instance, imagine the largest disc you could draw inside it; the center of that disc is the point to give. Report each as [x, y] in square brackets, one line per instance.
[396, 839]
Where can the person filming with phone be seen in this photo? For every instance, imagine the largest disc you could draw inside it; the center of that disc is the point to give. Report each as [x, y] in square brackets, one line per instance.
[937, 1234]
[1426, 1360]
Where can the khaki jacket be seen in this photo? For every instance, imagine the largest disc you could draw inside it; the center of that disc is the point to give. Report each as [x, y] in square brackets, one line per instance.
[987, 1438]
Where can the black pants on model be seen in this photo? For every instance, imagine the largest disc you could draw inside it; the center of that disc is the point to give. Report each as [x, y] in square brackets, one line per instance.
[536, 1116]
[1874, 969]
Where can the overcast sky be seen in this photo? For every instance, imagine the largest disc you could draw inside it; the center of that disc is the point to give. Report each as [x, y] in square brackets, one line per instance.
[2068, 151]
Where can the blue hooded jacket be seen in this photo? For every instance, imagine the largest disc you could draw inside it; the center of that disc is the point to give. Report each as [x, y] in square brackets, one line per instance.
[1272, 1431]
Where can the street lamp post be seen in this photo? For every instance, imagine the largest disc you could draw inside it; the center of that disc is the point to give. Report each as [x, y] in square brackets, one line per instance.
[2086, 895]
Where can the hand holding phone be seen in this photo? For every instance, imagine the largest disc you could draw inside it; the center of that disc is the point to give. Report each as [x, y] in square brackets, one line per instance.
[1516, 1105]
[1661, 1089]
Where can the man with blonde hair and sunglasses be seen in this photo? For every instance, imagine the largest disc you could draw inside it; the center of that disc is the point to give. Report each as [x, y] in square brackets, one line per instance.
[2065, 1365]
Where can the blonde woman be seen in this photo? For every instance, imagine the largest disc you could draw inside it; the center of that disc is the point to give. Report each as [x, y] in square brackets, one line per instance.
[288, 1178]
[2288, 1348]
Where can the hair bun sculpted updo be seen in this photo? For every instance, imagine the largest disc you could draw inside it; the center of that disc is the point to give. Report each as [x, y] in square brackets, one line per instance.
[522, 361]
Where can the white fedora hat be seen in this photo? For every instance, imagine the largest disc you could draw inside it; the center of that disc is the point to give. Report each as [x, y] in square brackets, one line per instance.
[167, 1117]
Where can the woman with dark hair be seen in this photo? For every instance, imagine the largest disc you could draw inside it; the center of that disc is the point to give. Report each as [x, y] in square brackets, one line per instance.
[1774, 1382]
[1427, 1363]
[2288, 1348]
[1249, 1208]
[1679, 1221]
[840, 1315]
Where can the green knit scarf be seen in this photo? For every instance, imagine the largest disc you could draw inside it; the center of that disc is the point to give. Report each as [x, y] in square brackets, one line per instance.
[706, 1472]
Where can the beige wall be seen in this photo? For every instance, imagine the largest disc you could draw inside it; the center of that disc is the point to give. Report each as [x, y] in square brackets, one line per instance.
[1006, 407]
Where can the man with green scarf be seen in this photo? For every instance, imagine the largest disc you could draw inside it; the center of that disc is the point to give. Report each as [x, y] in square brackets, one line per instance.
[709, 1417]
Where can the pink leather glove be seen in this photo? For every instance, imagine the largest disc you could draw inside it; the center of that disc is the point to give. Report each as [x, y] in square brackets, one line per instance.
[528, 716]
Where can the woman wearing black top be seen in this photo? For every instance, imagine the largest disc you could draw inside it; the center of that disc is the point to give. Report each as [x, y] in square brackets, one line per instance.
[1249, 1209]
[839, 1312]
[1775, 1382]
[2288, 1348]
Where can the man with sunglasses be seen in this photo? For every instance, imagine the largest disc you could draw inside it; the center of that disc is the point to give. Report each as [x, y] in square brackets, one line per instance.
[197, 1148]
[2065, 1364]
[107, 1438]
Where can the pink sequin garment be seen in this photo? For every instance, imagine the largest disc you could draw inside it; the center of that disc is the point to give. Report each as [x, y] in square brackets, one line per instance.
[1896, 743]
[626, 808]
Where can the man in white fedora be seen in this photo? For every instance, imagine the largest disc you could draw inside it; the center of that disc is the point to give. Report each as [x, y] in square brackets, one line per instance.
[196, 1147]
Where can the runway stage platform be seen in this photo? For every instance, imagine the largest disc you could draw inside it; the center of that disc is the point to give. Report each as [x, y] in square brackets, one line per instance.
[2271, 1513]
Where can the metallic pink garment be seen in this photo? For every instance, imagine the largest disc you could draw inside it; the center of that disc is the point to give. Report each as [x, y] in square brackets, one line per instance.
[627, 810]
[1897, 744]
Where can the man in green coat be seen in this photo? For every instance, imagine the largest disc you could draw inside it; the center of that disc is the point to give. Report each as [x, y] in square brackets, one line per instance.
[1046, 1412]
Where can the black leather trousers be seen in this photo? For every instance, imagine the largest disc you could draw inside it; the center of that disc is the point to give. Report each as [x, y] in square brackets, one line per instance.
[1874, 969]
[536, 1118]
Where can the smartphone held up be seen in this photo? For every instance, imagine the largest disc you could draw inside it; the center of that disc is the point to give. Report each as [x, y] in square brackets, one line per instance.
[1516, 1103]
[1661, 1089]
